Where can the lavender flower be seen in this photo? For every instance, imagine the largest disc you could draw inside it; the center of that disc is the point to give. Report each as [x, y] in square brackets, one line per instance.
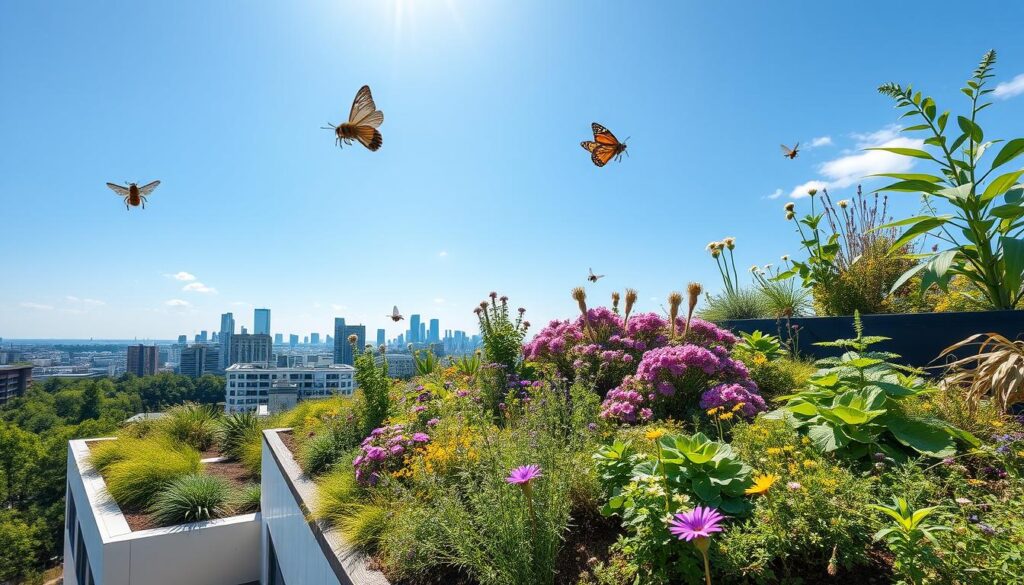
[524, 474]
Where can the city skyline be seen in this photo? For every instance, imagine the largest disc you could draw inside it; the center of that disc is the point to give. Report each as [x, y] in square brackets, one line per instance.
[706, 113]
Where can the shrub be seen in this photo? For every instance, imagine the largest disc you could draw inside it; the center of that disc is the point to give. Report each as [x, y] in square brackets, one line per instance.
[251, 455]
[502, 335]
[235, 430]
[103, 454]
[245, 499]
[135, 480]
[190, 498]
[743, 303]
[778, 377]
[192, 424]
[320, 452]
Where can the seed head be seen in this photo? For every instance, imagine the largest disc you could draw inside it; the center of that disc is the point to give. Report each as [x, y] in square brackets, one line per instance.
[493, 295]
[790, 206]
[844, 203]
[790, 215]
[785, 258]
[730, 242]
[353, 339]
[812, 192]
[483, 305]
[580, 296]
[631, 296]
[674, 300]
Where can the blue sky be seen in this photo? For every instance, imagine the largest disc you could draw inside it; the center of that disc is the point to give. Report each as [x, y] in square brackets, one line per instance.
[480, 185]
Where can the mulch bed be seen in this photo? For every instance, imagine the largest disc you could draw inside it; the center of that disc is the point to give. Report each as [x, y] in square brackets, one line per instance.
[288, 438]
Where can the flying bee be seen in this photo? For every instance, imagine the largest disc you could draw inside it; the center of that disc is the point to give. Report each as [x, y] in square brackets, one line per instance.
[133, 194]
[593, 277]
[395, 315]
[790, 153]
[363, 121]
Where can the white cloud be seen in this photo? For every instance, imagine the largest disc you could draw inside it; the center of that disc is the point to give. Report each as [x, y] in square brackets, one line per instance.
[801, 190]
[37, 306]
[199, 288]
[820, 141]
[442, 253]
[774, 194]
[1009, 89]
[178, 303]
[183, 276]
[854, 167]
[92, 302]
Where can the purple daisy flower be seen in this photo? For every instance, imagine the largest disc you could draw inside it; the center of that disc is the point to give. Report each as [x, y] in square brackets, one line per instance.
[524, 474]
[700, 522]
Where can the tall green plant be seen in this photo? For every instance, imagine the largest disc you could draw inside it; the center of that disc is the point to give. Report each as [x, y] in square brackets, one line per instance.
[908, 538]
[982, 235]
[502, 335]
[375, 383]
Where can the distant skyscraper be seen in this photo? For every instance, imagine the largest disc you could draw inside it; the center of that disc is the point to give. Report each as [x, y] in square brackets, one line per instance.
[244, 330]
[142, 360]
[261, 322]
[204, 336]
[414, 328]
[314, 338]
[330, 341]
[278, 339]
[305, 340]
[435, 331]
[182, 339]
[198, 360]
[380, 337]
[342, 348]
[293, 340]
[422, 337]
[250, 349]
[227, 330]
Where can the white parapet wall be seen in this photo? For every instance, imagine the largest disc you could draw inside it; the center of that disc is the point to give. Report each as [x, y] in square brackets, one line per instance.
[298, 550]
[100, 547]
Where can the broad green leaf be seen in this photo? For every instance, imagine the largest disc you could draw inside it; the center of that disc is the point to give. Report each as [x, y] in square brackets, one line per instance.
[910, 177]
[905, 277]
[1013, 261]
[942, 120]
[1010, 211]
[923, 437]
[909, 221]
[854, 416]
[914, 152]
[801, 406]
[960, 192]
[910, 187]
[1001, 184]
[922, 227]
[1010, 151]
[970, 128]
[863, 362]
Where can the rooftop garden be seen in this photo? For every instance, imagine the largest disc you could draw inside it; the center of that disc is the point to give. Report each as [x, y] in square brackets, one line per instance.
[191, 465]
[619, 447]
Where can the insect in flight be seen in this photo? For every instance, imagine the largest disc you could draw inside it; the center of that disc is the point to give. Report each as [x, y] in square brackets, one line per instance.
[790, 153]
[395, 315]
[363, 121]
[604, 147]
[593, 277]
[133, 194]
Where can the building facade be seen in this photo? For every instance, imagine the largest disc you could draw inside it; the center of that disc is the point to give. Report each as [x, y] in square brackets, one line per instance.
[261, 322]
[143, 360]
[227, 330]
[249, 385]
[400, 365]
[342, 348]
[14, 380]
[250, 349]
[199, 359]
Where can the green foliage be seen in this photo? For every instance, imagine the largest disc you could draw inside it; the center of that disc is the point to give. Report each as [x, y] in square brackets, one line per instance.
[782, 298]
[21, 545]
[237, 430]
[983, 234]
[709, 470]
[136, 479]
[193, 424]
[907, 538]
[853, 406]
[245, 500]
[469, 365]
[190, 498]
[742, 303]
[502, 335]
[425, 360]
[757, 342]
[777, 377]
[820, 268]
[375, 384]
[319, 453]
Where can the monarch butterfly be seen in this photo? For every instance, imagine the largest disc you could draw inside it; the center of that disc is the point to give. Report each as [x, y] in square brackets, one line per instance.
[604, 147]
[362, 123]
[395, 315]
[593, 277]
[133, 194]
[788, 152]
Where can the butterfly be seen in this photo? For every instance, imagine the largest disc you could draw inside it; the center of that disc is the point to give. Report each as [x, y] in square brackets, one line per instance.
[593, 277]
[133, 194]
[363, 121]
[788, 152]
[395, 315]
[604, 147]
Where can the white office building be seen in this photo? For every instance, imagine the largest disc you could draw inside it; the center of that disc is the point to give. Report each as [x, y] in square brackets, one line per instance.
[249, 385]
[400, 365]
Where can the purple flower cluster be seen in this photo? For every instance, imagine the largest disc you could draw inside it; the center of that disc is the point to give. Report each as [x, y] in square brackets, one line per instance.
[383, 451]
[728, 396]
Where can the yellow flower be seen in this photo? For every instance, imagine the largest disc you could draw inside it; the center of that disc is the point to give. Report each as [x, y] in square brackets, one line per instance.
[793, 468]
[725, 416]
[760, 359]
[788, 448]
[973, 481]
[761, 484]
[654, 434]
[774, 451]
[998, 424]
[809, 463]
[712, 411]
[805, 441]
[738, 406]
[1020, 453]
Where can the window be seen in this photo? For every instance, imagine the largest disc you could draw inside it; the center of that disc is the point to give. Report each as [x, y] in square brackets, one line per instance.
[72, 518]
[83, 572]
[274, 576]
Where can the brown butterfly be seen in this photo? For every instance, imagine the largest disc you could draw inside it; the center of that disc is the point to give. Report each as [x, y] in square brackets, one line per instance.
[362, 123]
[790, 153]
[604, 147]
[133, 194]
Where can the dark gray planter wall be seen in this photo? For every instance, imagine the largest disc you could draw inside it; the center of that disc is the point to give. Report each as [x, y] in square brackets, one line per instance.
[917, 337]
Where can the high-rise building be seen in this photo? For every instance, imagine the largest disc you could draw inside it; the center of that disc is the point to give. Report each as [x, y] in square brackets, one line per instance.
[250, 349]
[342, 348]
[435, 331]
[278, 339]
[248, 386]
[293, 340]
[14, 380]
[204, 336]
[261, 322]
[305, 340]
[380, 337]
[314, 338]
[330, 341]
[199, 359]
[422, 337]
[227, 330]
[183, 340]
[414, 328]
[142, 360]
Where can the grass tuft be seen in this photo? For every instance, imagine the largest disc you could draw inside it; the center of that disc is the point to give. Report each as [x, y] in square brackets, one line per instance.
[190, 498]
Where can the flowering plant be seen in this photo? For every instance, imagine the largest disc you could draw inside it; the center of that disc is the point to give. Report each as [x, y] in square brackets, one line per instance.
[385, 451]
